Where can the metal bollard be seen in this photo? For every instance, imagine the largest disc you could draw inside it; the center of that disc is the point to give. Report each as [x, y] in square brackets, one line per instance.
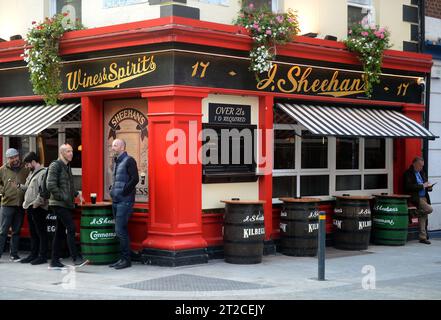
[321, 246]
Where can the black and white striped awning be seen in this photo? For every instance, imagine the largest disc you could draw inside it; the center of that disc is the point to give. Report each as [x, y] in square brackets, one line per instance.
[355, 122]
[31, 120]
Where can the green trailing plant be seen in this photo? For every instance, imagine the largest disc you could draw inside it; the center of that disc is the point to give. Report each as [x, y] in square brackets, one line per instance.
[267, 29]
[369, 42]
[42, 55]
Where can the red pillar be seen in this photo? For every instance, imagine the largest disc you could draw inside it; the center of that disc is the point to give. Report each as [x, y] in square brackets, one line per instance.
[92, 147]
[265, 181]
[405, 150]
[175, 200]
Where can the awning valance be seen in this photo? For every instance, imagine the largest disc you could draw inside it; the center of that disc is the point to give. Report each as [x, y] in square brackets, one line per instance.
[31, 120]
[355, 122]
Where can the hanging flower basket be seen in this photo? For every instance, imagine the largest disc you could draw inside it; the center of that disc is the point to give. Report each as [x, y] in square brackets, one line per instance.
[369, 42]
[42, 55]
[267, 29]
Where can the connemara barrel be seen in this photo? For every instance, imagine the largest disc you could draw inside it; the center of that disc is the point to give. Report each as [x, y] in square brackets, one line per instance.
[98, 239]
[352, 221]
[299, 227]
[244, 231]
[390, 220]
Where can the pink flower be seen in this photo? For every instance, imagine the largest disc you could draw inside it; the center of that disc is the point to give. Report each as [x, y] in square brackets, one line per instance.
[365, 34]
[382, 36]
[279, 19]
[381, 30]
[350, 31]
[268, 32]
[255, 26]
[251, 6]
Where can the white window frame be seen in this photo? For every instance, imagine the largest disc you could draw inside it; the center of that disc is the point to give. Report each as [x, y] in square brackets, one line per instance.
[223, 3]
[370, 9]
[331, 170]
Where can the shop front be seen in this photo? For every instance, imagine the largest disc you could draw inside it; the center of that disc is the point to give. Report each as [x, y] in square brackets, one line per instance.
[158, 84]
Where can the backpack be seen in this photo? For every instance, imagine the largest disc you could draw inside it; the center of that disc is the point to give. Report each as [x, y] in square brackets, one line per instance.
[43, 191]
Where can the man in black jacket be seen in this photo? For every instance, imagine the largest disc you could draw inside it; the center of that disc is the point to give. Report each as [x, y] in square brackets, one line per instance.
[125, 179]
[62, 195]
[417, 186]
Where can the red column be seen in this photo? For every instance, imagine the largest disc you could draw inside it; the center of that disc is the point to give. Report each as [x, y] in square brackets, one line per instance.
[405, 150]
[175, 189]
[92, 147]
[265, 181]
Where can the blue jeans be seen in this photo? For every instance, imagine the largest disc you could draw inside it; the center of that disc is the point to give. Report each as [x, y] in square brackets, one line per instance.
[121, 214]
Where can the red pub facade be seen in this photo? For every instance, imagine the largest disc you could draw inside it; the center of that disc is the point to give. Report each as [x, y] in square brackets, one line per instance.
[140, 80]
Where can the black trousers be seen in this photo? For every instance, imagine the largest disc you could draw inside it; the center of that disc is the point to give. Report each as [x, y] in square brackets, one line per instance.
[38, 231]
[65, 227]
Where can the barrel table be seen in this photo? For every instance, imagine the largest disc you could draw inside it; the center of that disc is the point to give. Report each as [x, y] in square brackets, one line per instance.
[352, 219]
[244, 231]
[390, 220]
[99, 243]
[299, 227]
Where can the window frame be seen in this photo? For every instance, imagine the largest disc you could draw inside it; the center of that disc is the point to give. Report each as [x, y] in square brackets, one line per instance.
[331, 170]
[369, 8]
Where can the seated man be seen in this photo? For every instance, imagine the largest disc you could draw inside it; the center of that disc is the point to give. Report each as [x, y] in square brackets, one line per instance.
[417, 186]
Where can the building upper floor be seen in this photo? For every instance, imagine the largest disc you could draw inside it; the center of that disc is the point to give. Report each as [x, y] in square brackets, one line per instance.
[319, 18]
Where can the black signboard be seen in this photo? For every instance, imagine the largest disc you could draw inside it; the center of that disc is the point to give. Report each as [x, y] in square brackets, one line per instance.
[229, 113]
[173, 67]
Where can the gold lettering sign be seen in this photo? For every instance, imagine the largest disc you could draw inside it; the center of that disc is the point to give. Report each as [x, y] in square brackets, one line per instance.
[112, 76]
[298, 80]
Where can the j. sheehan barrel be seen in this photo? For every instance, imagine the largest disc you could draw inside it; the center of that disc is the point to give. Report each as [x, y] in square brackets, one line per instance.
[299, 226]
[98, 239]
[244, 231]
[352, 219]
[390, 219]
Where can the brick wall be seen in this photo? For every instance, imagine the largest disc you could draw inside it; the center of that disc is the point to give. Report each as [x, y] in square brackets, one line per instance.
[433, 8]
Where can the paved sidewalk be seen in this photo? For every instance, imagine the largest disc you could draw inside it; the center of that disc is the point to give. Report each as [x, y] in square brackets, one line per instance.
[409, 272]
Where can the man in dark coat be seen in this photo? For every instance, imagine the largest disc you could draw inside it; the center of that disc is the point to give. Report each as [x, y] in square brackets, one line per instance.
[62, 201]
[125, 179]
[417, 186]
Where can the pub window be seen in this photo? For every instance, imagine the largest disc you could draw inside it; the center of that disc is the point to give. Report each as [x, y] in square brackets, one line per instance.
[314, 151]
[360, 9]
[229, 153]
[284, 186]
[347, 182]
[374, 153]
[284, 149]
[314, 185]
[347, 153]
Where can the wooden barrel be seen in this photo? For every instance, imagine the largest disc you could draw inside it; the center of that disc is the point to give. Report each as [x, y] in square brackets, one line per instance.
[99, 243]
[352, 219]
[244, 231]
[390, 220]
[299, 227]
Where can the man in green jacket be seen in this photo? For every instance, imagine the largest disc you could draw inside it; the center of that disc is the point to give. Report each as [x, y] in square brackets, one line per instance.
[12, 175]
[62, 196]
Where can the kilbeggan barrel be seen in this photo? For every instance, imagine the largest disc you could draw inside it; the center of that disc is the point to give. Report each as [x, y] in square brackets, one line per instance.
[390, 220]
[299, 227]
[99, 243]
[352, 219]
[244, 231]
